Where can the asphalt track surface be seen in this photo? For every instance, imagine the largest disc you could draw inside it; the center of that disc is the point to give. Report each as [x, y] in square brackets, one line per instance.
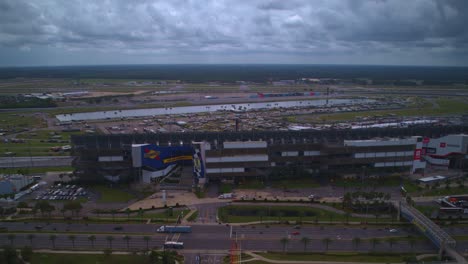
[41, 161]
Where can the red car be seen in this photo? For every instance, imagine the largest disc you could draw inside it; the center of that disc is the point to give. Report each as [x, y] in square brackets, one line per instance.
[295, 233]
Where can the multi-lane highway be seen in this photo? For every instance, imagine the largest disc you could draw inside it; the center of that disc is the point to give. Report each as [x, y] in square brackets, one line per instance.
[213, 237]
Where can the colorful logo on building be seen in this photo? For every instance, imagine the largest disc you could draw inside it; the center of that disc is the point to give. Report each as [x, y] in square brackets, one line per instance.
[417, 154]
[152, 154]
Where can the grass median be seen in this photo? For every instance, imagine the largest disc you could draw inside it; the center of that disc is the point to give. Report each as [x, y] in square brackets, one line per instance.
[75, 258]
[340, 257]
[253, 213]
[112, 195]
[41, 258]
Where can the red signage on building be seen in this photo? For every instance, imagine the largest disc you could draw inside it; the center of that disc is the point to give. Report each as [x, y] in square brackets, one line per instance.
[442, 144]
[417, 154]
[426, 140]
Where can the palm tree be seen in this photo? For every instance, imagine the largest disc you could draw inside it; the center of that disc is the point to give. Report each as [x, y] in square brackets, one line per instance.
[128, 211]
[376, 216]
[280, 214]
[347, 215]
[140, 213]
[63, 212]
[284, 241]
[31, 237]
[301, 215]
[110, 239]
[34, 212]
[52, 239]
[261, 213]
[375, 241]
[327, 241]
[127, 239]
[11, 237]
[412, 242]
[113, 211]
[168, 213]
[305, 241]
[92, 238]
[356, 242]
[72, 239]
[391, 241]
[147, 240]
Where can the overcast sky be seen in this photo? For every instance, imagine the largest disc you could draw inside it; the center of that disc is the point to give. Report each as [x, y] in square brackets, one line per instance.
[396, 32]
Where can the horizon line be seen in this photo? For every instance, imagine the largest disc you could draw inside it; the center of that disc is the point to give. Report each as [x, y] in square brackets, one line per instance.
[230, 64]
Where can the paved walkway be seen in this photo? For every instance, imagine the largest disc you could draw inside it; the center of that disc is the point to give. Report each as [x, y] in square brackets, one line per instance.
[173, 197]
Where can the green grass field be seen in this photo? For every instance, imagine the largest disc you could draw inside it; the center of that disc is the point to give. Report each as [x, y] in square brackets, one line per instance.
[410, 186]
[344, 257]
[112, 195]
[35, 170]
[445, 191]
[42, 258]
[427, 209]
[445, 107]
[36, 143]
[251, 213]
[193, 216]
[15, 121]
[48, 258]
[163, 215]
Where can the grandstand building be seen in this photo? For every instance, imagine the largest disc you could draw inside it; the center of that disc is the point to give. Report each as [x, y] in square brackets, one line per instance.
[234, 155]
[447, 151]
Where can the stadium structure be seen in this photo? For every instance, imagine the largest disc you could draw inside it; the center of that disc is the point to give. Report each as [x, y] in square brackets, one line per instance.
[236, 155]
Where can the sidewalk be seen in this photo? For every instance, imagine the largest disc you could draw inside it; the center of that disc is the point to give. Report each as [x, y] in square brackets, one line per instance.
[173, 197]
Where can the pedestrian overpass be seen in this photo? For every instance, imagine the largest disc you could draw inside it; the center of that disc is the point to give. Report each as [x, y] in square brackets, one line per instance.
[440, 238]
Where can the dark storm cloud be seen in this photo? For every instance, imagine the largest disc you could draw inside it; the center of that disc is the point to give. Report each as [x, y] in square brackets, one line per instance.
[282, 31]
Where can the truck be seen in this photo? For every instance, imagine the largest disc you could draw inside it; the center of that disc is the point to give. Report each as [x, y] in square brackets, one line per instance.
[226, 196]
[174, 229]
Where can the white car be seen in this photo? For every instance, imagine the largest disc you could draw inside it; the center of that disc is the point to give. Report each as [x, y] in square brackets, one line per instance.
[393, 230]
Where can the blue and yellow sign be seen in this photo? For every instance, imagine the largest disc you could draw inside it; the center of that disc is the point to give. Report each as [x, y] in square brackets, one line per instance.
[158, 157]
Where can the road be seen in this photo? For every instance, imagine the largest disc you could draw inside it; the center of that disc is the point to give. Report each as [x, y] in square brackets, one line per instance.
[41, 161]
[216, 237]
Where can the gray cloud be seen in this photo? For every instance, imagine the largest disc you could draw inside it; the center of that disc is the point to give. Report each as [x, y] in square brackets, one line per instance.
[188, 31]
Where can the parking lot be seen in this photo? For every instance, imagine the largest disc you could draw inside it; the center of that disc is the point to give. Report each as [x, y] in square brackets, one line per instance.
[62, 192]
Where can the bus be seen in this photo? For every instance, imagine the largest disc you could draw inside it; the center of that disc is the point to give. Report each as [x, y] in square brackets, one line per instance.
[451, 210]
[174, 245]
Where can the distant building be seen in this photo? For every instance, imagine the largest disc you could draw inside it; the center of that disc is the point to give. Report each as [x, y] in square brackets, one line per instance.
[75, 94]
[10, 184]
[284, 82]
